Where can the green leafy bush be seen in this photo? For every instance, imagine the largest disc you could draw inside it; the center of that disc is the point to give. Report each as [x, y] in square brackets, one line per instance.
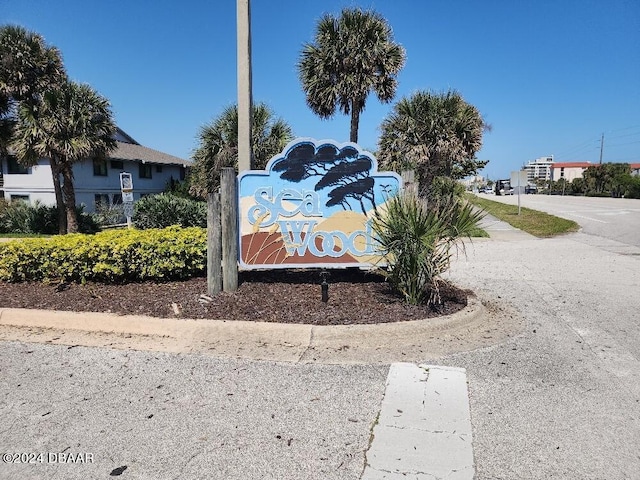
[416, 240]
[38, 218]
[106, 214]
[114, 256]
[165, 209]
[445, 188]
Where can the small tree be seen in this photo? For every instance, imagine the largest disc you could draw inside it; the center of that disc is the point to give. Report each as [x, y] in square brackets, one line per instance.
[29, 68]
[72, 123]
[218, 146]
[353, 55]
[437, 135]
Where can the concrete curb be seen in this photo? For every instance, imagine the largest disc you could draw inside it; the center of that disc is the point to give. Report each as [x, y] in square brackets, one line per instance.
[424, 427]
[379, 343]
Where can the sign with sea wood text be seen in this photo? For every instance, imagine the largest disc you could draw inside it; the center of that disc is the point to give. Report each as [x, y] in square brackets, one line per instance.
[312, 206]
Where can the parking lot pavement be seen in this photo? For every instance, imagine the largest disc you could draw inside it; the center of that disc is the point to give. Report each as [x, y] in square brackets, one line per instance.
[165, 416]
[562, 400]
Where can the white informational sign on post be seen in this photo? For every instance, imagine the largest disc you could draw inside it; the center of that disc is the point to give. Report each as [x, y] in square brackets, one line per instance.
[126, 187]
[519, 179]
[126, 182]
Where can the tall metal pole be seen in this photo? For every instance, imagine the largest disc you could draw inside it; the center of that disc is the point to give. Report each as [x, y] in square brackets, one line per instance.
[245, 156]
[601, 147]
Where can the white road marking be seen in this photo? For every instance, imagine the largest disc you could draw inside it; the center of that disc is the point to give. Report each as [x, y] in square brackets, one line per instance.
[583, 217]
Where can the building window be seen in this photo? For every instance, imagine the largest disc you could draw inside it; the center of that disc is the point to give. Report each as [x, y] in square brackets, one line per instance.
[101, 200]
[117, 199]
[13, 167]
[20, 198]
[117, 164]
[562, 172]
[99, 167]
[158, 168]
[145, 171]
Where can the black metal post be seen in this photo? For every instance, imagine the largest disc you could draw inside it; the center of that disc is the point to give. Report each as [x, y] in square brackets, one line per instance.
[324, 274]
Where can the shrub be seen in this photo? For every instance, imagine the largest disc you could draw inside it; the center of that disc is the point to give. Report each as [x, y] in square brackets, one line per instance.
[114, 256]
[445, 188]
[165, 209]
[106, 214]
[416, 241]
[38, 218]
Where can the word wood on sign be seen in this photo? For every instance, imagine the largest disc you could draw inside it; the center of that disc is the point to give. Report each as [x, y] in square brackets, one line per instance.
[312, 206]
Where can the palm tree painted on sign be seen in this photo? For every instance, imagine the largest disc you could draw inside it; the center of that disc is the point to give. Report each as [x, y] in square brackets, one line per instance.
[344, 169]
[352, 55]
[352, 180]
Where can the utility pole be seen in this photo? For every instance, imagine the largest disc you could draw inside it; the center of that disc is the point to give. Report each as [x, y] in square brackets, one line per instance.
[245, 155]
[601, 147]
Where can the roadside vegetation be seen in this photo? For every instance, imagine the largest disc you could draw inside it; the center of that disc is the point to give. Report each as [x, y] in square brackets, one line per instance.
[110, 257]
[536, 223]
[353, 56]
[417, 239]
[606, 180]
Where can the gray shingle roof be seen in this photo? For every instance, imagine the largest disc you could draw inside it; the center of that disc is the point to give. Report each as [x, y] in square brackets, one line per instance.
[130, 151]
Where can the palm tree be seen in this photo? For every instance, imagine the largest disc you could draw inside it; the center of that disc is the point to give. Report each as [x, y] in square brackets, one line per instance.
[29, 66]
[71, 124]
[352, 56]
[218, 146]
[436, 134]
[28, 69]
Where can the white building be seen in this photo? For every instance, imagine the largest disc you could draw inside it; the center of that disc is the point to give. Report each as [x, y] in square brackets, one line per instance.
[95, 181]
[539, 169]
[569, 171]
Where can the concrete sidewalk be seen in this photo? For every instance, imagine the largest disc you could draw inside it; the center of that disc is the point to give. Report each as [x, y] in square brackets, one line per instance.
[424, 427]
[501, 230]
[379, 343]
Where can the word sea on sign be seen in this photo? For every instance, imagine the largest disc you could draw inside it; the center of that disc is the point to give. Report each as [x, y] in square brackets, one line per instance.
[312, 206]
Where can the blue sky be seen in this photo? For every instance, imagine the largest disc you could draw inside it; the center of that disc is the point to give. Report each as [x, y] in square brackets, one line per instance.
[550, 76]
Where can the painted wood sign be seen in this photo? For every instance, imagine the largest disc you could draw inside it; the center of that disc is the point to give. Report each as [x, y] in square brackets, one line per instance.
[312, 207]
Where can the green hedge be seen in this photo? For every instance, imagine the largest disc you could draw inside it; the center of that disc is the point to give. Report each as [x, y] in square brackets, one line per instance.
[165, 209]
[38, 218]
[114, 256]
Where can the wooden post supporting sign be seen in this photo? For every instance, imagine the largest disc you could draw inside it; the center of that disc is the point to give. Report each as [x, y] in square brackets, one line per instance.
[214, 245]
[229, 223]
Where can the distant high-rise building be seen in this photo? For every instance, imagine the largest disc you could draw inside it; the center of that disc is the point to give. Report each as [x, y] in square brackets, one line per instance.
[539, 169]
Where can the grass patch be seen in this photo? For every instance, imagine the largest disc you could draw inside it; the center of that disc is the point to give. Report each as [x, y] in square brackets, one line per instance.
[478, 232]
[536, 223]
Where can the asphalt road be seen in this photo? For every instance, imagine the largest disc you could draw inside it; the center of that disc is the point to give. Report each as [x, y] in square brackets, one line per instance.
[612, 218]
[559, 400]
[160, 416]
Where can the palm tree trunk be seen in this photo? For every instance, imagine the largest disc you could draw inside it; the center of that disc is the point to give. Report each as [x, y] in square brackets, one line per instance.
[355, 120]
[62, 218]
[69, 199]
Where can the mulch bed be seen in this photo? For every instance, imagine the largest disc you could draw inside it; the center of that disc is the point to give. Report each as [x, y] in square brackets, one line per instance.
[355, 297]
